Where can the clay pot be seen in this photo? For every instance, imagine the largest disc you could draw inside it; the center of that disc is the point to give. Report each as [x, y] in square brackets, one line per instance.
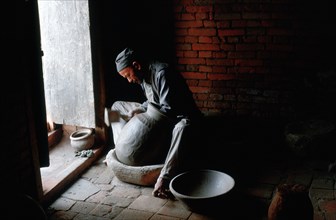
[145, 139]
[291, 202]
[82, 139]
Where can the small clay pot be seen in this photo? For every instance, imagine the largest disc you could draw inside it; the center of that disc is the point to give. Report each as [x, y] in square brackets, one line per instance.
[82, 139]
[291, 202]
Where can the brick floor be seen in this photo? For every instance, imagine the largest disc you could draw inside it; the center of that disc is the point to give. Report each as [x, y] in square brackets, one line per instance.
[98, 194]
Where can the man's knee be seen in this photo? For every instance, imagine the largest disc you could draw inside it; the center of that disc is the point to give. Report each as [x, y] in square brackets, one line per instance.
[117, 105]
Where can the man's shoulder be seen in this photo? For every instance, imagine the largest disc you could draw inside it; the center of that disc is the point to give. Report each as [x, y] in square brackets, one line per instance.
[159, 65]
[160, 69]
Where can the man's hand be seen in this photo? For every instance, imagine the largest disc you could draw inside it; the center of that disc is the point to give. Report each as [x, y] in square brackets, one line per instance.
[161, 189]
[136, 111]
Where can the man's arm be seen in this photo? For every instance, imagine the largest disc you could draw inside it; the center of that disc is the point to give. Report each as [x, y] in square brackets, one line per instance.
[164, 89]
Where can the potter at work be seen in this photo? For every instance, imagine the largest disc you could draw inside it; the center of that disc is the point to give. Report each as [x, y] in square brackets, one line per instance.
[159, 130]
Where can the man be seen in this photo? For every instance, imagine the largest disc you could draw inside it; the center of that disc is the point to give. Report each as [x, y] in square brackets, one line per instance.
[168, 91]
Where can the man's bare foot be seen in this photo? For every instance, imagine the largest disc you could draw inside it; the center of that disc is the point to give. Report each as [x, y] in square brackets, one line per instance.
[161, 189]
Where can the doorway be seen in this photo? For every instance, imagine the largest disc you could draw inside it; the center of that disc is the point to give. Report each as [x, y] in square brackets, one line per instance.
[68, 87]
[148, 25]
[67, 62]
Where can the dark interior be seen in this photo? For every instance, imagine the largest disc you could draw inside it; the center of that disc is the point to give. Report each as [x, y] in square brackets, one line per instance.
[274, 65]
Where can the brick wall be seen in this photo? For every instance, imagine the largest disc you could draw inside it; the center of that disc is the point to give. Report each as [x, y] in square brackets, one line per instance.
[250, 57]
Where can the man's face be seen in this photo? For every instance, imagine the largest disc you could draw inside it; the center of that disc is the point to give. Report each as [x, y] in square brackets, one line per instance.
[132, 74]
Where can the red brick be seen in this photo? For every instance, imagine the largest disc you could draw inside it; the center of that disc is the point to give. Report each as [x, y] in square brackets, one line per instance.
[190, 54]
[205, 54]
[209, 24]
[206, 83]
[183, 47]
[205, 46]
[198, 9]
[193, 75]
[179, 53]
[186, 2]
[191, 39]
[201, 16]
[215, 40]
[231, 32]
[223, 24]
[187, 16]
[253, 47]
[204, 39]
[279, 47]
[191, 61]
[241, 54]
[219, 54]
[248, 62]
[188, 24]
[201, 96]
[202, 31]
[219, 62]
[227, 47]
[192, 82]
[200, 89]
[181, 32]
[219, 69]
[221, 76]
[203, 68]
[179, 39]
[215, 97]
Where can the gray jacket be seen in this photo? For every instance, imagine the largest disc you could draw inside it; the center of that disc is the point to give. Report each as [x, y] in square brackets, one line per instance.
[169, 92]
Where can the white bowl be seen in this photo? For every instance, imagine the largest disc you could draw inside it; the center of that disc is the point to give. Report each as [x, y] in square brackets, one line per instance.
[202, 190]
[82, 139]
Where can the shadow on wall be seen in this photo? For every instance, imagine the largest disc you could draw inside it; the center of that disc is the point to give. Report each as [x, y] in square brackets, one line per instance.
[148, 27]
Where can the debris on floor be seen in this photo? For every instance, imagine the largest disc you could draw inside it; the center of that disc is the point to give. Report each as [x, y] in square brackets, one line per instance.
[84, 153]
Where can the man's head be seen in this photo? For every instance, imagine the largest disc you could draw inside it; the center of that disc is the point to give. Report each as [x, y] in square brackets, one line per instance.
[128, 66]
[125, 59]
